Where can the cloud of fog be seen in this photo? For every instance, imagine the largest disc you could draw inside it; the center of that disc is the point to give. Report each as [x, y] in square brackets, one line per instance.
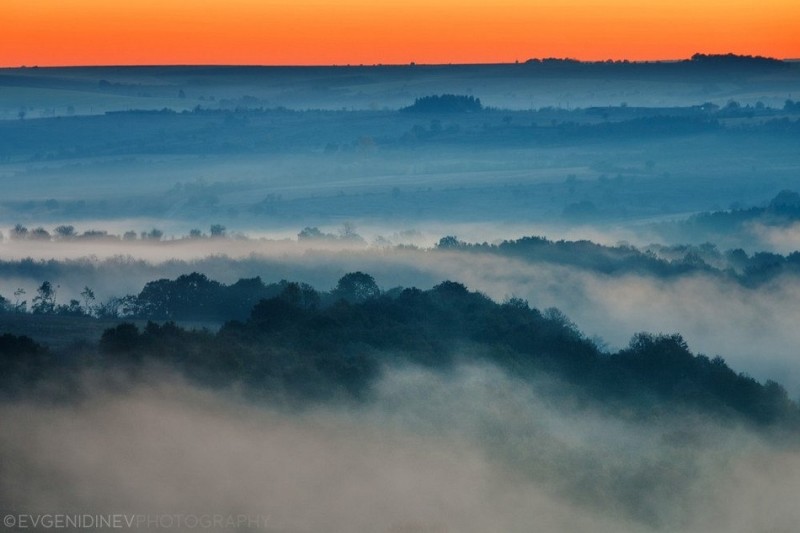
[780, 239]
[472, 450]
[277, 242]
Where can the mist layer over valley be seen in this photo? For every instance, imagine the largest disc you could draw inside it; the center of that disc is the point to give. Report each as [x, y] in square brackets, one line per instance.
[711, 133]
[553, 296]
[474, 450]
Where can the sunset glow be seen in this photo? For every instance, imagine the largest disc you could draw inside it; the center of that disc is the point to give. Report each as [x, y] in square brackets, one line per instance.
[93, 32]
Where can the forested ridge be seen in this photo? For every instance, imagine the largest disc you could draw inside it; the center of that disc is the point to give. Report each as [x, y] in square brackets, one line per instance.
[196, 297]
[306, 345]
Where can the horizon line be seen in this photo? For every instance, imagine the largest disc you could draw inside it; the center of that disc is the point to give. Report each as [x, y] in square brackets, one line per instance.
[408, 64]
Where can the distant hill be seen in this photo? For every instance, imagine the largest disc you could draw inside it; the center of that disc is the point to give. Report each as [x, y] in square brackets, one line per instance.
[44, 92]
[715, 61]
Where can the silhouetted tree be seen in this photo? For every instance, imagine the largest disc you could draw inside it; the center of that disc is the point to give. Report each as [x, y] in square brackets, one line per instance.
[39, 234]
[20, 306]
[45, 300]
[348, 233]
[313, 233]
[153, 235]
[356, 287]
[88, 300]
[65, 232]
[119, 307]
[5, 305]
[450, 242]
[73, 308]
[19, 232]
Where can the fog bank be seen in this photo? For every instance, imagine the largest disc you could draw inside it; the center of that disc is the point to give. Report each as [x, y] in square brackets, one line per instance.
[471, 450]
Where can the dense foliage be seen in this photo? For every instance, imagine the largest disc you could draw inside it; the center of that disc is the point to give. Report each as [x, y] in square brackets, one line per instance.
[659, 261]
[298, 343]
[445, 103]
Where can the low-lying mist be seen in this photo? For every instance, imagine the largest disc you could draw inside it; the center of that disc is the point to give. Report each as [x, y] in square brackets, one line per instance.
[752, 327]
[470, 449]
[151, 361]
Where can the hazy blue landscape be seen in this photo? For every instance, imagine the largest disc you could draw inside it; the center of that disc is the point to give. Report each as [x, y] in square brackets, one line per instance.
[547, 295]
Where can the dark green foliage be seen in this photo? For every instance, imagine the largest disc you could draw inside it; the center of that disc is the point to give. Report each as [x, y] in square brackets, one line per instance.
[445, 103]
[588, 255]
[121, 339]
[310, 346]
[22, 362]
[5, 305]
[664, 366]
[314, 234]
[655, 260]
[195, 297]
[45, 300]
[450, 242]
[292, 344]
[191, 295]
[356, 287]
[15, 348]
[275, 314]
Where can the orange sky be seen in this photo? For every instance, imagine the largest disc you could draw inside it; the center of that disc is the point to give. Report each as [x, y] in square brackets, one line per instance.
[96, 32]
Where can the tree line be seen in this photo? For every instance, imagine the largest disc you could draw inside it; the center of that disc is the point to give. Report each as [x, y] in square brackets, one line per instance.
[189, 297]
[663, 261]
[67, 232]
[196, 297]
[305, 345]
